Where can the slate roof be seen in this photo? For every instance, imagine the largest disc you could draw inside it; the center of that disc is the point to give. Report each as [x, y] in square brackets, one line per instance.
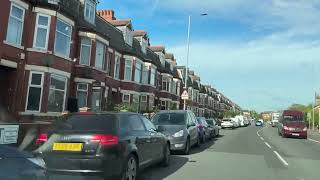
[157, 48]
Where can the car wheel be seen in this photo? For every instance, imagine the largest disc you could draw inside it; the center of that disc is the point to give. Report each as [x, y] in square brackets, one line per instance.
[203, 139]
[166, 156]
[187, 148]
[130, 169]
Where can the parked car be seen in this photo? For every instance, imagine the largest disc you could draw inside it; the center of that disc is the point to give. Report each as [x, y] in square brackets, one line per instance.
[17, 165]
[180, 127]
[215, 128]
[204, 130]
[291, 124]
[259, 123]
[227, 123]
[112, 145]
[236, 122]
[240, 120]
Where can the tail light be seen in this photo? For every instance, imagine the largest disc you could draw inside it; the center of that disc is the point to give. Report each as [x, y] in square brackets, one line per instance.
[42, 138]
[105, 139]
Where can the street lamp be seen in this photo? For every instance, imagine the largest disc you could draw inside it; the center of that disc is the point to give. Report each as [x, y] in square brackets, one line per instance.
[188, 49]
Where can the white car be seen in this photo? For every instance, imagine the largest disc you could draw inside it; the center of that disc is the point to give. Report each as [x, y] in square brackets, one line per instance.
[227, 123]
[236, 122]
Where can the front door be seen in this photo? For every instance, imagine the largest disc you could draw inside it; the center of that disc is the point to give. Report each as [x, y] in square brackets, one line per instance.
[96, 99]
[7, 88]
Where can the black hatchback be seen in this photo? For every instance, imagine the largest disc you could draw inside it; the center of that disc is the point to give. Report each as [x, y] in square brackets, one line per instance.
[114, 145]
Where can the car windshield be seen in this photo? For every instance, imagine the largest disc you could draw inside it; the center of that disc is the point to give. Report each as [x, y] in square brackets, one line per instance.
[169, 119]
[293, 118]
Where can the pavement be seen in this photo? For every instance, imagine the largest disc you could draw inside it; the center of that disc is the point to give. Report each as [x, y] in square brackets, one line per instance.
[314, 135]
[249, 153]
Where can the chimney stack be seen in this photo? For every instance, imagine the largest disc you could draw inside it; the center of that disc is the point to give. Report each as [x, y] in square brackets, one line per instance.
[108, 15]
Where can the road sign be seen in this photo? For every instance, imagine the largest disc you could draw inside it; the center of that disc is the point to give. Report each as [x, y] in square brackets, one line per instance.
[9, 134]
[184, 95]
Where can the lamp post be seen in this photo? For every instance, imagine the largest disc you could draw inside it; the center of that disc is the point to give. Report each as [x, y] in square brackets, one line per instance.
[188, 49]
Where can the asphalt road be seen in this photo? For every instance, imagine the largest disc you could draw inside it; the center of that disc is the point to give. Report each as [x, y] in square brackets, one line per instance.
[250, 153]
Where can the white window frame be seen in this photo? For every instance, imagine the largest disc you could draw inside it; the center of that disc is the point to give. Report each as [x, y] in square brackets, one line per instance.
[116, 62]
[42, 27]
[70, 39]
[136, 69]
[145, 96]
[125, 69]
[126, 101]
[37, 86]
[92, 5]
[65, 90]
[90, 46]
[82, 90]
[21, 20]
[103, 55]
[164, 80]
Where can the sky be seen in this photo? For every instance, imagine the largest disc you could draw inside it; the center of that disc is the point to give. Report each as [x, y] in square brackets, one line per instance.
[263, 55]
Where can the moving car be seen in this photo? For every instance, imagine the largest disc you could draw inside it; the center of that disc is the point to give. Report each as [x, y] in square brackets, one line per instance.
[180, 127]
[227, 123]
[17, 165]
[259, 122]
[213, 125]
[291, 124]
[204, 130]
[112, 145]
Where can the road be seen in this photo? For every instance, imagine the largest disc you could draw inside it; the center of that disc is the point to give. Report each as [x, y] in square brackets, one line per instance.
[250, 153]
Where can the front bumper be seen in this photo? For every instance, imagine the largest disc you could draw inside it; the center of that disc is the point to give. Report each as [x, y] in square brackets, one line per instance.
[177, 144]
[302, 134]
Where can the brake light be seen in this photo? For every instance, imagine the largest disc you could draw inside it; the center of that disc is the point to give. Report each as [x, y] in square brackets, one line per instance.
[105, 139]
[42, 138]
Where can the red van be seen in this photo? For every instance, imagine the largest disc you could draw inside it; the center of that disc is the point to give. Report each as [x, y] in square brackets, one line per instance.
[292, 124]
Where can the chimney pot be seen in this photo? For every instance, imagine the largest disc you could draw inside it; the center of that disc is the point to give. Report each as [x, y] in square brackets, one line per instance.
[107, 14]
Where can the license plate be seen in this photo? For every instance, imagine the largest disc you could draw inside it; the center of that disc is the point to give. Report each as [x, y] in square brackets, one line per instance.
[295, 134]
[67, 147]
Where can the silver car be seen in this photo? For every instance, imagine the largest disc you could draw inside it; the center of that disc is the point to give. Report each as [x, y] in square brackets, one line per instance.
[180, 127]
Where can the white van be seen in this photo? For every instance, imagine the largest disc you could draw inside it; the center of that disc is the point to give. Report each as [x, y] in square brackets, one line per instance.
[236, 122]
[241, 120]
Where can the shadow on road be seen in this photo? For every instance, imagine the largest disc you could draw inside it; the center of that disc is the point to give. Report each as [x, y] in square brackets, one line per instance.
[158, 173]
[205, 146]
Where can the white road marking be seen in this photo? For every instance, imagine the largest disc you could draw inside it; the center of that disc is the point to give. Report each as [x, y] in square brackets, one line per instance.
[262, 138]
[281, 158]
[313, 140]
[268, 145]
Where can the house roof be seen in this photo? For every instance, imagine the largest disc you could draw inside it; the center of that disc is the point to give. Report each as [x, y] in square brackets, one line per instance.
[169, 56]
[158, 48]
[139, 33]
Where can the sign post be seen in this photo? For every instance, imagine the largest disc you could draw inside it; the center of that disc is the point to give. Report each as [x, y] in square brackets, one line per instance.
[185, 97]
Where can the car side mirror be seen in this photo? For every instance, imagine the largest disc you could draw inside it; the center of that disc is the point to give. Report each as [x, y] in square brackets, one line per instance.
[160, 129]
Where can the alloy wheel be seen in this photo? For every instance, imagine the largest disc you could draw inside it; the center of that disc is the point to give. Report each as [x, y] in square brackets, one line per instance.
[131, 172]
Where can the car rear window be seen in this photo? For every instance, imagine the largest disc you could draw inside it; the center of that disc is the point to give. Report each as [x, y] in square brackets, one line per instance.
[169, 119]
[90, 122]
[293, 118]
[226, 120]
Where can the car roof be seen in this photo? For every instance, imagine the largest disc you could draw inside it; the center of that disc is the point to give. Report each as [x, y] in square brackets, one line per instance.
[105, 113]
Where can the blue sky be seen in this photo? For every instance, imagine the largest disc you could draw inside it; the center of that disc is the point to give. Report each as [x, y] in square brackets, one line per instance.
[263, 55]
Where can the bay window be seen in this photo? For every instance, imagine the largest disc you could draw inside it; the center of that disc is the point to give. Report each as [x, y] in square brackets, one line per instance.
[178, 89]
[63, 38]
[153, 76]
[35, 91]
[117, 68]
[99, 55]
[82, 94]
[85, 53]
[143, 104]
[151, 102]
[164, 84]
[109, 63]
[137, 72]
[128, 70]
[173, 87]
[41, 32]
[126, 98]
[145, 74]
[57, 92]
[15, 24]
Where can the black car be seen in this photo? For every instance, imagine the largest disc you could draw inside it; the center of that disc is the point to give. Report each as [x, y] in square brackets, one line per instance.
[17, 165]
[180, 127]
[112, 145]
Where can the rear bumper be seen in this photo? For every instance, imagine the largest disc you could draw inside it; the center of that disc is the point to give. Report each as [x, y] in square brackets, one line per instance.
[101, 165]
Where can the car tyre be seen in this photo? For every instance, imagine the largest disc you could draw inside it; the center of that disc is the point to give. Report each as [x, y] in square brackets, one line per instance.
[166, 156]
[187, 147]
[130, 169]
